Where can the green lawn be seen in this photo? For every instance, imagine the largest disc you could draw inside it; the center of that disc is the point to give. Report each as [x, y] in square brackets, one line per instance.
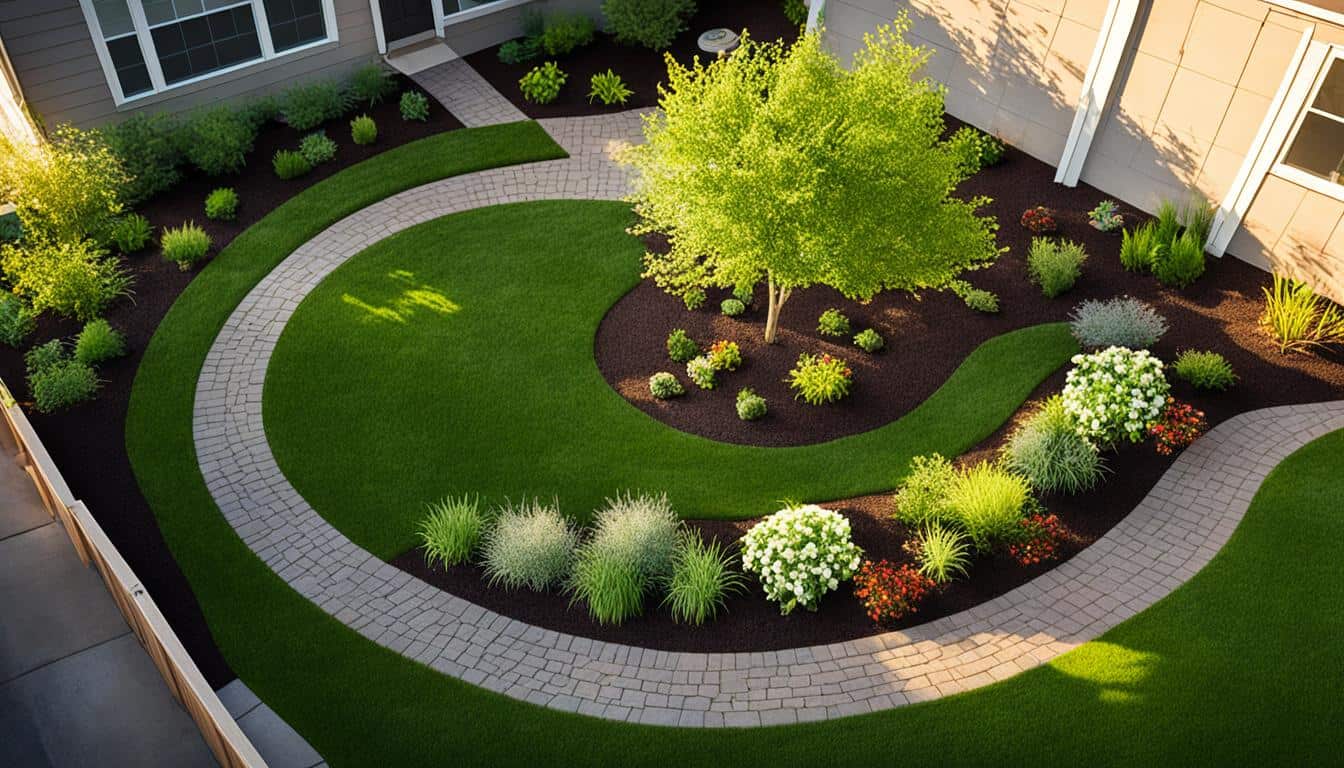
[457, 357]
[1240, 666]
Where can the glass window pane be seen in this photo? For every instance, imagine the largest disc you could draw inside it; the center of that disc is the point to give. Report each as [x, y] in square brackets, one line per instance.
[158, 11]
[129, 63]
[114, 17]
[1331, 96]
[295, 22]
[187, 7]
[1318, 148]
[205, 43]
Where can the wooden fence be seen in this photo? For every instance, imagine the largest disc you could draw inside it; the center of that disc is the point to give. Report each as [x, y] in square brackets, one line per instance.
[221, 732]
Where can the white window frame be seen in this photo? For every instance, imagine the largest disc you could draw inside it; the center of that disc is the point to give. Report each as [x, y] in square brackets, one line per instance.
[158, 85]
[1297, 175]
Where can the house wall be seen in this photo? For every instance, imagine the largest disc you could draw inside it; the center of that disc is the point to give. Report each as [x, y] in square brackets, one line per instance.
[1194, 87]
[470, 36]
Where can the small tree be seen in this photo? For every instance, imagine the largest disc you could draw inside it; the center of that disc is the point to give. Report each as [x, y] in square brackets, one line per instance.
[67, 190]
[776, 164]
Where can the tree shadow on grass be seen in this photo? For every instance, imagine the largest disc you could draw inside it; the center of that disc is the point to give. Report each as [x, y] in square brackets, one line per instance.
[406, 299]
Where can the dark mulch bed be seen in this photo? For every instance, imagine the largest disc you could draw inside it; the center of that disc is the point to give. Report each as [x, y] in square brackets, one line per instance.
[87, 442]
[641, 68]
[926, 340]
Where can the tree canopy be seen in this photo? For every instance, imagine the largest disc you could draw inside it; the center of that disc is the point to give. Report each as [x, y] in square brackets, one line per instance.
[778, 164]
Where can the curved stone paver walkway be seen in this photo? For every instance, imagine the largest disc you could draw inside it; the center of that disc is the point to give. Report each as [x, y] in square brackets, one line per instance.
[1173, 532]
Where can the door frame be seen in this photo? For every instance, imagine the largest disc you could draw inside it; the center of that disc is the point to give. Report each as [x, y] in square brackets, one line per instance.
[376, 8]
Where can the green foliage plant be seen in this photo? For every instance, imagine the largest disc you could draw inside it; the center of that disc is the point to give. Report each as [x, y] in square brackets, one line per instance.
[632, 549]
[363, 130]
[989, 503]
[1123, 321]
[97, 342]
[185, 245]
[744, 294]
[1139, 247]
[16, 320]
[680, 346]
[732, 307]
[222, 204]
[530, 545]
[664, 385]
[305, 107]
[564, 32]
[921, 500]
[974, 298]
[725, 355]
[1205, 370]
[833, 323]
[820, 379]
[609, 88]
[62, 384]
[1197, 218]
[702, 578]
[64, 190]
[694, 299]
[131, 233]
[750, 406]
[702, 371]
[1180, 262]
[72, 278]
[1299, 319]
[317, 148]
[742, 138]
[943, 553]
[1049, 452]
[650, 23]
[519, 51]
[414, 105]
[44, 356]
[796, 12]
[370, 84]
[869, 341]
[217, 141]
[1055, 265]
[973, 150]
[452, 530]
[289, 164]
[542, 84]
[149, 153]
[1168, 222]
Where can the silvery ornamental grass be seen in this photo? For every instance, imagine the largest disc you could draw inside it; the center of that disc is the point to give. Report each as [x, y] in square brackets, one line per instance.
[1120, 322]
[1115, 394]
[531, 545]
[800, 554]
[644, 528]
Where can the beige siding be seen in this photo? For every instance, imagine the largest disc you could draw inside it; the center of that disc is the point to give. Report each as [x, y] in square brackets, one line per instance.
[493, 28]
[1295, 231]
[1014, 68]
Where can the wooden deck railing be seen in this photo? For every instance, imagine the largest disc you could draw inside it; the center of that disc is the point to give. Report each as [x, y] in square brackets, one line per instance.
[221, 732]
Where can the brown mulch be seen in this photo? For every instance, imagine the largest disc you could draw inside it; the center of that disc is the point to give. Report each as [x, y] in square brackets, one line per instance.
[88, 441]
[641, 68]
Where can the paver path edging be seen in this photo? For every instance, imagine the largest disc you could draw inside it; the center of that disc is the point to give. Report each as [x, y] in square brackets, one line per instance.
[1173, 532]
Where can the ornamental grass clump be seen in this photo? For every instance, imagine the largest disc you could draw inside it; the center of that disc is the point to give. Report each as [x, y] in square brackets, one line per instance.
[922, 498]
[820, 379]
[800, 554]
[185, 245]
[701, 581]
[530, 545]
[664, 385]
[681, 347]
[1115, 394]
[988, 503]
[289, 164]
[363, 130]
[1055, 265]
[1048, 450]
[890, 592]
[98, 342]
[632, 549]
[1204, 370]
[132, 232]
[943, 553]
[1298, 318]
[452, 530]
[1120, 322]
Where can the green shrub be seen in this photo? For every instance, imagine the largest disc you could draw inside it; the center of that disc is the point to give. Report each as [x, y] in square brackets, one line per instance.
[1106, 217]
[989, 504]
[370, 84]
[16, 320]
[664, 385]
[943, 553]
[217, 141]
[702, 578]
[64, 190]
[1205, 370]
[633, 547]
[61, 385]
[921, 500]
[744, 293]
[796, 12]
[869, 341]
[363, 130]
[681, 347]
[222, 204]
[542, 84]
[977, 299]
[732, 307]
[44, 356]
[609, 88]
[316, 148]
[1168, 223]
[289, 164]
[185, 245]
[530, 545]
[1197, 217]
[520, 50]
[1181, 262]
[724, 355]
[564, 32]
[833, 323]
[131, 233]
[974, 149]
[1055, 265]
[307, 106]
[693, 299]
[452, 530]
[1118, 322]
[98, 342]
[1299, 319]
[414, 106]
[1048, 451]
[75, 278]
[11, 229]
[1138, 249]
[650, 23]
[820, 379]
[149, 153]
[702, 371]
[750, 406]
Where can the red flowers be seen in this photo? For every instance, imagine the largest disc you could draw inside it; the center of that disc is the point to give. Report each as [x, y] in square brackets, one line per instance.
[1040, 542]
[889, 592]
[1040, 220]
[1180, 425]
[827, 360]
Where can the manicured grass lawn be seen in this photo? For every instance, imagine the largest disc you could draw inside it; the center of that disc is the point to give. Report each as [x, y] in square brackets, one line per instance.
[457, 357]
[1240, 666]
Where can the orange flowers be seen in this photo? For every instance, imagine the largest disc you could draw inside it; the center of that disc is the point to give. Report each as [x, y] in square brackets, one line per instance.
[1040, 542]
[1180, 425]
[889, 592]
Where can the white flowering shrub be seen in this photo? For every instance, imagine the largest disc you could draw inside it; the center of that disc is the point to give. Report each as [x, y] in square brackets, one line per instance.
[800, 554]
[1115, 393]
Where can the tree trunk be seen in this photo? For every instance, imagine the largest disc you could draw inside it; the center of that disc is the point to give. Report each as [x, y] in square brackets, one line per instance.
[777, 295]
